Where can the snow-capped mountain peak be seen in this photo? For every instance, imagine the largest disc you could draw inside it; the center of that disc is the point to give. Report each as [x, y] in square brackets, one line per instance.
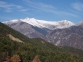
[44, 24]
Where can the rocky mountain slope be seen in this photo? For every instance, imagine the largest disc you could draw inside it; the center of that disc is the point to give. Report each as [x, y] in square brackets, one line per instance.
[72, 36]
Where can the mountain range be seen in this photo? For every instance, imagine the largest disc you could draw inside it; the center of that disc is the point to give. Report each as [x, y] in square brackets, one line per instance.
[60, 33]
[15, 47]
[44, 24]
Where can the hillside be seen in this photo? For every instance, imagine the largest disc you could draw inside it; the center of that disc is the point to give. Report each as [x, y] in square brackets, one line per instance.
[31, 50]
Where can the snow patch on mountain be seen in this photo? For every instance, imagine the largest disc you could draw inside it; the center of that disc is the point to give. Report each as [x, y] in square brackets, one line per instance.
[44, 24]
[11, 21]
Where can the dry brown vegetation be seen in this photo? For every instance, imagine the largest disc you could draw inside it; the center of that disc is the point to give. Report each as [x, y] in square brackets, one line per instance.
[36, 59]
[14, 58]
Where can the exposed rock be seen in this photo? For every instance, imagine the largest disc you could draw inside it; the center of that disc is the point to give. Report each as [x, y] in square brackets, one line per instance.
[14, 39]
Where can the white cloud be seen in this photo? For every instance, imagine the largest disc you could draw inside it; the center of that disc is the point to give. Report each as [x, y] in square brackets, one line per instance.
[5, 6]
[47, 8]
[23, 10]
[78, 6]
[40, 6]
[10, 7]
[8, 10]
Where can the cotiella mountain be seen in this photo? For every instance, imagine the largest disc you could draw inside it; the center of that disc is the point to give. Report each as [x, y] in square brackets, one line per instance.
[15, 47]
[43, 24]
[61, 33]
[34, 28]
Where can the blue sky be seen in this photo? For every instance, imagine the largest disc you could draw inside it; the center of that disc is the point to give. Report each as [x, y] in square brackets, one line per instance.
[51, 10]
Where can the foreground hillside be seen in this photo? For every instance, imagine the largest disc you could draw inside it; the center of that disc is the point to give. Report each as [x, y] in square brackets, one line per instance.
[15, 47]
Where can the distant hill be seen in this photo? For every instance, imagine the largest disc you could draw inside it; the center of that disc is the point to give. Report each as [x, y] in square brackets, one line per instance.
[14, 46]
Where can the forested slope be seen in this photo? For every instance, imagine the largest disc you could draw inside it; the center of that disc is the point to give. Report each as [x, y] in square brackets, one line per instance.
[31, 50]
